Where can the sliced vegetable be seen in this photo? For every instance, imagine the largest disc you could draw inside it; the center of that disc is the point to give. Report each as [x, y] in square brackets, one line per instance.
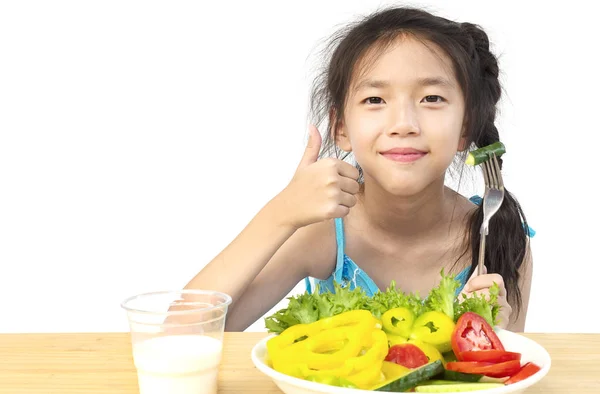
[434, 328]
[398, 321]
[456, 388]
[499, 370]
[395, 339]
[483, 154]
[492, 356]
[392, 371]
[337, 346]
[430, 351]
[526, 371]
[449, 356]
[473, 333]
[366, 377]
[438, 382]
[407, 355]
[470, 377]
[412, 378]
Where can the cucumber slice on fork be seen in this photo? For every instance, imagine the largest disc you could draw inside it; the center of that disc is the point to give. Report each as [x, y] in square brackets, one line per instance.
[483, 154]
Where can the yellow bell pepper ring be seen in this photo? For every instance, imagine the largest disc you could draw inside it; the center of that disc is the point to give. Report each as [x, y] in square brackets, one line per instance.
[372, 350]
[434, 328]
[366, 377]
[398, 321]
[350, 318]
[303, 371]
[295, 338]
[319, 351]
[390, 372]
[288, 337]
[316, 356]
[395, 339]
[375, 350]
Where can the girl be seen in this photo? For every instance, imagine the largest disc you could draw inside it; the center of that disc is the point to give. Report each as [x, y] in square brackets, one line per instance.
[406, 93]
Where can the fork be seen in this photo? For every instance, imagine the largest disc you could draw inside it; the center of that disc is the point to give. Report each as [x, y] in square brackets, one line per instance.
[492, 200]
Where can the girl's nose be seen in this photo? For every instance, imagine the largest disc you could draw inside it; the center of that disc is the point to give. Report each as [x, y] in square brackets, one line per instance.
[403, 121]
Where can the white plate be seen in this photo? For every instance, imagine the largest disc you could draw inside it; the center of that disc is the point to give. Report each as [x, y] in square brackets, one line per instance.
[530, 351]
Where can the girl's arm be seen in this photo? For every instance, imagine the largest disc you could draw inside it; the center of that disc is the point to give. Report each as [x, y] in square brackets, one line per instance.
[263, 264]
[526, 274]
[320, 190]
[309, 252]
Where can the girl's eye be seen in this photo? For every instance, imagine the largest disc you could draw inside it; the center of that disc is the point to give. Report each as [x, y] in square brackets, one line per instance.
[433, 99]
[374, 100]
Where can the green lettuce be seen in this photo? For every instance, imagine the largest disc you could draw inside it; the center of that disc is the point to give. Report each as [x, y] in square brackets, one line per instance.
[307, 308]
[342, 300]
[478, 303]
[301, 309]
[393, 298]
[443, 297]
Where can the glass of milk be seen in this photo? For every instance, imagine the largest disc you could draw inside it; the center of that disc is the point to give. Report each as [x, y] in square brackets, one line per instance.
[177, 340]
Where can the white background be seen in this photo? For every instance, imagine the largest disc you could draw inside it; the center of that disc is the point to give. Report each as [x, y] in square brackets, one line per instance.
[139, 137]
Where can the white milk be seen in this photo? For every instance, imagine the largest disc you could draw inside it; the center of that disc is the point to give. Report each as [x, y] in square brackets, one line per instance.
[178, 364]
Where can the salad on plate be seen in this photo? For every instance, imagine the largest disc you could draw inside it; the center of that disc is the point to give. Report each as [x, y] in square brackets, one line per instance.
[394, 341]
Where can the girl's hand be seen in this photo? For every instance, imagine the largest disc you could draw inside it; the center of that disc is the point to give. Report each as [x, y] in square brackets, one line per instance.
[319, 190]
[481, 285]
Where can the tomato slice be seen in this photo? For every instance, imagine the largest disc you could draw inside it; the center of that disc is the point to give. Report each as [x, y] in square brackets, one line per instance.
[525, 372]
[473, 333]
[493, 370]
[407, 355]
[492, 356]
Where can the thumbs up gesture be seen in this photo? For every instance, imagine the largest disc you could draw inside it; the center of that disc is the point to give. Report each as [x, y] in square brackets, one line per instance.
[320, 189]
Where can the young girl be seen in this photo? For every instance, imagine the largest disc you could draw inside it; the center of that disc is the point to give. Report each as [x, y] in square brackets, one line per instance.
[406, 93]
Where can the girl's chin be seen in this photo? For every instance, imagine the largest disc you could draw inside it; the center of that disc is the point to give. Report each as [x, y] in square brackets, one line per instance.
[405, 188]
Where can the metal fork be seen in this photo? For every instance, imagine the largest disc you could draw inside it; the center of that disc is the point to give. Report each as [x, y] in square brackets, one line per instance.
[492, 200]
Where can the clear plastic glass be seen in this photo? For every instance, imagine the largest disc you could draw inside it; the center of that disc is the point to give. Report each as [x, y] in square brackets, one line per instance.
[177, 340]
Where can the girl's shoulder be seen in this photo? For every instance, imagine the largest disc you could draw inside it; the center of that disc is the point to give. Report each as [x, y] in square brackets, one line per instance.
[315, 246]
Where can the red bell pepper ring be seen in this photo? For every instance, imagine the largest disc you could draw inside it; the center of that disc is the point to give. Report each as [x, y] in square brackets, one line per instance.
[493, 370]
[528, 370]
[490, 356]
[473, 333]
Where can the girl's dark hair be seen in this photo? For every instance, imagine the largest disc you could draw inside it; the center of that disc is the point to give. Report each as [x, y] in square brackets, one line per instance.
[476, 70]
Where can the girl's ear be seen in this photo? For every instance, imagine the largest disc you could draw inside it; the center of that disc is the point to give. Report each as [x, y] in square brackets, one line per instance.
[463, 142]
[342, 139]
[339, 133]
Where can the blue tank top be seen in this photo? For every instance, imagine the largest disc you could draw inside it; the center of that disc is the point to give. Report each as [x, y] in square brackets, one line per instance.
[348, 273]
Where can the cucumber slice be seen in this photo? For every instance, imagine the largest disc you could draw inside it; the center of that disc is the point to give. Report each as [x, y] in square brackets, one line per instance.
[461, 377]
[471, 378]
[483, 154]
[439, 382]
[449, 356]
[413, 378]
[456, 388]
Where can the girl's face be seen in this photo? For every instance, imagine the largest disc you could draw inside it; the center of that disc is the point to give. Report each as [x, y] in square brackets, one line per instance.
[404, 117]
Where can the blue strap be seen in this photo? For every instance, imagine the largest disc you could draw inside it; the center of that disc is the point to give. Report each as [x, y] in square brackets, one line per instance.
[462, 278]
[339, 263]
[308, 285]
[339, 239]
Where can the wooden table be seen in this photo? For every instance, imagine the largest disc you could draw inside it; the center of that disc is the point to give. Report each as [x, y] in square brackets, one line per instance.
[102, 363]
